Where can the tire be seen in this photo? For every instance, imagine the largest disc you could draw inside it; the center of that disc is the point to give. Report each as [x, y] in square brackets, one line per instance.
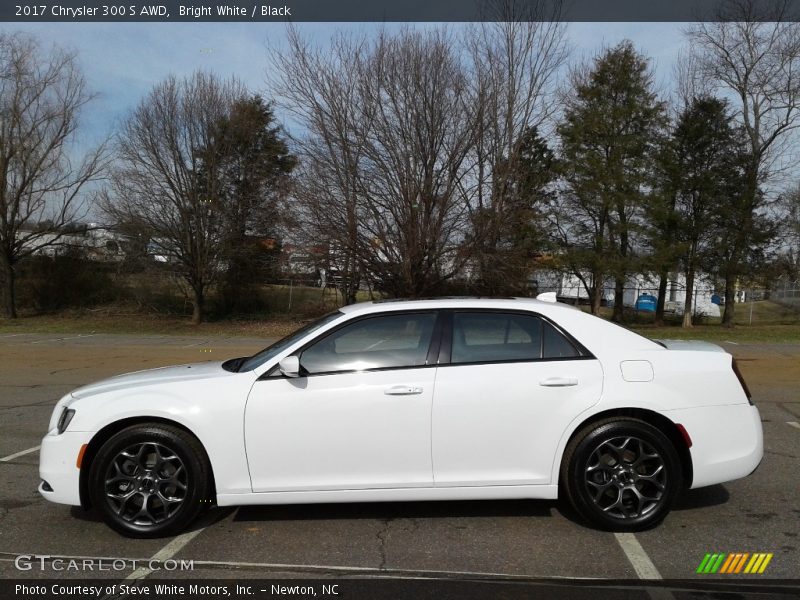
[621, 474]
[150, 480]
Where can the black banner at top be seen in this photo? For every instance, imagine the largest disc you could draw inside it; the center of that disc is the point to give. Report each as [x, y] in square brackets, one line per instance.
[390, 10]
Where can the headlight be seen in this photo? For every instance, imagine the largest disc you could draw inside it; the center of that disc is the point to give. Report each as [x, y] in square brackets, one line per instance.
[64, 419]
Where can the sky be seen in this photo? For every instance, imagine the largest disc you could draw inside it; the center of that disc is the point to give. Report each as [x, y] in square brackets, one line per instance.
[122, 61]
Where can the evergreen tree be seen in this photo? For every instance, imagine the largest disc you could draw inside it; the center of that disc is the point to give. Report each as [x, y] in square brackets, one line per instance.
[609, 138]
[707, 177]
[509, 239]
[254, 162]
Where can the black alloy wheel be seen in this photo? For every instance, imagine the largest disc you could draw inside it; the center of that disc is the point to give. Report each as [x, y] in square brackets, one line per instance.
[621, 474]
[150, 480]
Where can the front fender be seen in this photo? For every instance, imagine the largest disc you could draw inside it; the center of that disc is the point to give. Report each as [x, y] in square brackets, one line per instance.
[212, 411]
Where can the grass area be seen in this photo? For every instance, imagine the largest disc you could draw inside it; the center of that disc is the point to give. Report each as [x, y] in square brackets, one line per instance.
[85, 322]
[290, 307]
[745, 334]
[771, 322]
[764, 321]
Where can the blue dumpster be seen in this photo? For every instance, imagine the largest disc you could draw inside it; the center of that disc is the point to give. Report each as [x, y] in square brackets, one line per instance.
[646, 303]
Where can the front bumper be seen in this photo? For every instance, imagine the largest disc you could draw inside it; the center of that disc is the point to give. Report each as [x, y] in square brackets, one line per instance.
[728, 441]
[58, 466]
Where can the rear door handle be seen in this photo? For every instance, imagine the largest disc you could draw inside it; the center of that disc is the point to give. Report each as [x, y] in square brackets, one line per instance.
[559, 381]
[402, 390]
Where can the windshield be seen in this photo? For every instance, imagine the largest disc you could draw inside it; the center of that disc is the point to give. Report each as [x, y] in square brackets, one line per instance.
[271, 351]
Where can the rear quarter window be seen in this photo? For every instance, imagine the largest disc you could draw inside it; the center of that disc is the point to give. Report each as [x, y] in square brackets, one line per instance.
[555, 344]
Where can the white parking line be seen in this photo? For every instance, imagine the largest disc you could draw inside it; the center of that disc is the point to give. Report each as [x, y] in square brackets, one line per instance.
[638, 558]
[18, 454]
[196, 344]
[167, 552]
[794, 424]
[641, 563]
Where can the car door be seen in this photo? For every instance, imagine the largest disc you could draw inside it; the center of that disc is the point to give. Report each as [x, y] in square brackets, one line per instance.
[358, 417]
[510, 384]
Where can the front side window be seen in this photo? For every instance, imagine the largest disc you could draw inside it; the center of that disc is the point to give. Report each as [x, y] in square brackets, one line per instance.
[504, 337]
[385, 341]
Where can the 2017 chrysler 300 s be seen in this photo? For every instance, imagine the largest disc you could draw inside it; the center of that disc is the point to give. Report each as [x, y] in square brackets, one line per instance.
[416, 400]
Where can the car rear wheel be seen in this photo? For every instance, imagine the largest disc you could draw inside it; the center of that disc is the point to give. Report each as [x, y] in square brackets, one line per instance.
[621, 474]
[150, 480]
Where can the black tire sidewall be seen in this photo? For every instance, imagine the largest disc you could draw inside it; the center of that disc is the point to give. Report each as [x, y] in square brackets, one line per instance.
[184, 446]
[588, 443]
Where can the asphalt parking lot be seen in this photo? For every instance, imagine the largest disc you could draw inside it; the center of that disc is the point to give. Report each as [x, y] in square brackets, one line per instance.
[515, 538]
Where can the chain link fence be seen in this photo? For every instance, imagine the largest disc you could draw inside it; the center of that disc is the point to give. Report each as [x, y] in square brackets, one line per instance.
[787, 292]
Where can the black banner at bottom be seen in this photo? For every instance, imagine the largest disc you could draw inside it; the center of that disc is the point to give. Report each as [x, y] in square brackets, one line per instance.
[391, 587]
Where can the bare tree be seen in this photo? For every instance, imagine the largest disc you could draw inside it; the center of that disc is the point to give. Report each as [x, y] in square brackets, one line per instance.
[42, 93]
[169, 175]
[389, 130]
[421, 130]
[516, 56]
[319, 88]
[752, 53]
[690, 81]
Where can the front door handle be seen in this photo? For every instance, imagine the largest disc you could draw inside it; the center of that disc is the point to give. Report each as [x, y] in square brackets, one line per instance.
[558, 382]
[402, 390]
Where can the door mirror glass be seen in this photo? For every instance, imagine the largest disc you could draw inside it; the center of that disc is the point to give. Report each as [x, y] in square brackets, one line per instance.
[290, 366]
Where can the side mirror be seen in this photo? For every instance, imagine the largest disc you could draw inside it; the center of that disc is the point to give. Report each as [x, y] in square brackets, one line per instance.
[290, 366]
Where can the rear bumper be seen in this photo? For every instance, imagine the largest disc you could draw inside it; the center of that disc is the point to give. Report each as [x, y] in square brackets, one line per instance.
[58, 466]
[728, 441]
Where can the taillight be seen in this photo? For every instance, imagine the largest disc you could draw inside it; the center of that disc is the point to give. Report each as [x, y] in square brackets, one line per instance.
[741, 381]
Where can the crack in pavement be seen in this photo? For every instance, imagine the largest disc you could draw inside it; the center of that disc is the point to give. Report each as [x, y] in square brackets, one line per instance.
[30, 404]
[75, 368]
[783, 454]
[414, 525]
[787, 409]
[32, 386]
[380, 535]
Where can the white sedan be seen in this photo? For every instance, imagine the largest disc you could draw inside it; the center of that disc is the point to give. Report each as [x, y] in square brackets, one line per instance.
[451, 399]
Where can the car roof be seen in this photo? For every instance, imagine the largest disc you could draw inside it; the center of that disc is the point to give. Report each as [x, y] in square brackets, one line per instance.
[452, 302]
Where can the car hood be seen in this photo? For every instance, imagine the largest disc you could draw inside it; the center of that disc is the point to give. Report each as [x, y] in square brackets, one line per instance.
[161, 375]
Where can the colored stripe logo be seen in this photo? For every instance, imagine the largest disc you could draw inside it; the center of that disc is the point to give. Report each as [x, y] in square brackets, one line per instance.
[734, 563]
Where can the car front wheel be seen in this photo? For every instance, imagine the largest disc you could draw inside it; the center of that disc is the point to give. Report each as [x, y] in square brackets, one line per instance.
[621, 474]
[150, 480]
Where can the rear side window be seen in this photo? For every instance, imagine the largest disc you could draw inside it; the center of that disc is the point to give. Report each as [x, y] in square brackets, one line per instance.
[506, 337]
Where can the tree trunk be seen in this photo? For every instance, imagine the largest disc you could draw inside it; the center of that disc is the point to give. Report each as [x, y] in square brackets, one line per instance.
[351, 280]
[662, 299]
[198, 312]
[9, 303]
[619, 306]
[687, 303]
[597, 295]
[730, 292]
